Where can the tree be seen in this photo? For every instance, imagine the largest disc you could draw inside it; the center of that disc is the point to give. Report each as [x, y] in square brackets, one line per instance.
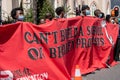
[40, 8]
[46, 8]
[35, 11]
[29, 15]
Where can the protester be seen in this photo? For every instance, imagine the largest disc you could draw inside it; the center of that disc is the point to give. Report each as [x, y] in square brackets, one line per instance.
[85, 10]
[108, 18]
[77, 11]
[114, 20]
[48, 17]
[60, 12]
[103, 15]
[42, 21]
[98, 13]
[117, 47]
[17, 14]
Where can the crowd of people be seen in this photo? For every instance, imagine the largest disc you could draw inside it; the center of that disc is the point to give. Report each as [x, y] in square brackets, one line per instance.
[18, 15]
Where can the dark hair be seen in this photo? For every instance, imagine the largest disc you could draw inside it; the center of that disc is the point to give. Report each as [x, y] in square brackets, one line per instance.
[48, 16]
[59, 10]
[13, 12]
[85, 7]
[108, 18]
[96, 12]
[103, 15]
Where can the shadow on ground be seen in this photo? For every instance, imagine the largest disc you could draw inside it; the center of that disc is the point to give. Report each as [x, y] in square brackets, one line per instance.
[112, 73]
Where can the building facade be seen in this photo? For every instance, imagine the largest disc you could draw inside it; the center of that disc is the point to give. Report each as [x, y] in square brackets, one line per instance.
[103, 5]
[7, 5]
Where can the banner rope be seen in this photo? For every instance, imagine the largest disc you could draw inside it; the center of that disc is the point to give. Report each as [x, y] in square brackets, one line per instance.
[106, 32]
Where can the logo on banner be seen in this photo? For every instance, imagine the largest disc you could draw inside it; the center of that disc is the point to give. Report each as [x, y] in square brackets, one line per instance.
[6, 75]
[43, 76]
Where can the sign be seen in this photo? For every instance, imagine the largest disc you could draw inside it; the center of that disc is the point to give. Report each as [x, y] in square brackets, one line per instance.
[51, 51]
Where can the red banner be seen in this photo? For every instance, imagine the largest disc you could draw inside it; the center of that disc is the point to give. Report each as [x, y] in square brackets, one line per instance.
[50, 51]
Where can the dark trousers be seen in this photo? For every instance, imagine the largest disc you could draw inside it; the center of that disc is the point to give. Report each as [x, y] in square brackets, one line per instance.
[117, 50]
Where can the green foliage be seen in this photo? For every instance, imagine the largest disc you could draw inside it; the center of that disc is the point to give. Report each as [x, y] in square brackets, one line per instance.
[43, 7]
[29, 15]
[46, 8]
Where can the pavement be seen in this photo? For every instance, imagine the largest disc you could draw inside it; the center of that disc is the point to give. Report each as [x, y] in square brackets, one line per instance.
[111, 73]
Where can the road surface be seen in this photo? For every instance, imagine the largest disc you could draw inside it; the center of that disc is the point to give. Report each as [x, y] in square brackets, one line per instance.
[112, 73]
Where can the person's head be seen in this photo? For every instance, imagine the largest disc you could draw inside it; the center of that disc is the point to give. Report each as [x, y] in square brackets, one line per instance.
[102, 15]
[17, 14]
[114, 20]
[42, 21]
[98, 13]
[48, 16]
[85, 10]
[60, 12]
[78, 11]
[108, 18]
